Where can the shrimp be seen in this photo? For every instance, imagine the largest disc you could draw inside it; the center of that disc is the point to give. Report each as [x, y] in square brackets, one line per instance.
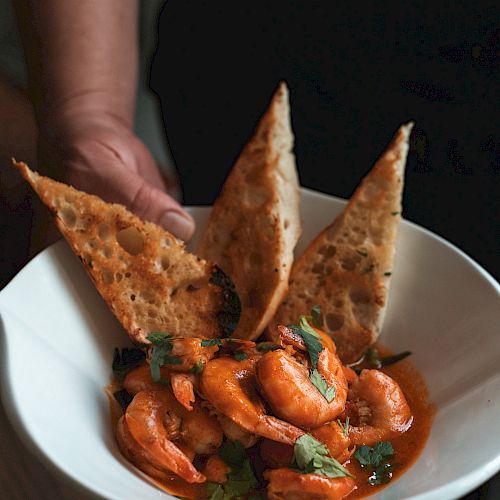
[234, 432]
[146, 434]
[153, 420]
[216, 470]
[183, 389]
[229, 385]
[377, 408]
[285, 384]
[287, 484]
[336, 440]
[191, 353]
[183, 384]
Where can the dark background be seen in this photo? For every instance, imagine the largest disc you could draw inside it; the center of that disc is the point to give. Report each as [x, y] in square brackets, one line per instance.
[355, 73]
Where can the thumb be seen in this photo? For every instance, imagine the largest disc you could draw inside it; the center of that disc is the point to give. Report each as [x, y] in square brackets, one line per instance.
[153, 204]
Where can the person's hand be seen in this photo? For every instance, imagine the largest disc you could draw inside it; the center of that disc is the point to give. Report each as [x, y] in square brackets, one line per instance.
[100, 154]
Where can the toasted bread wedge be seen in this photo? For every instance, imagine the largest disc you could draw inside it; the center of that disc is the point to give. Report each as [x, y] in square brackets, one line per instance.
[346, 269]
[255, 222]
[149, 281]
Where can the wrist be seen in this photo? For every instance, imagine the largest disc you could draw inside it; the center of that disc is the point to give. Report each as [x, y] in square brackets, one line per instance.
[83, 110]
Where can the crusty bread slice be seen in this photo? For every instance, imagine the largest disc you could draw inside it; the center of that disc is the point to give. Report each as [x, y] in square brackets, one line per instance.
[255, 222]
[347, 268]
[149, 281]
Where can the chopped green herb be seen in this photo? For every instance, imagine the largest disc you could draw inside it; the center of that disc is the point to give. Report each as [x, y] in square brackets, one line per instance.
[314, 347]
[377, 362]
[241, 479]
[363, 253]
[395, 213]
[211, 342]
[344, 427]
[197, 368]
[126, 361]
[267, 346]
[368, 456]
[240, 356]
[328, 391]
[382, 474]
[311, 456]
[387, 273]
[160, 354]
[316, 316]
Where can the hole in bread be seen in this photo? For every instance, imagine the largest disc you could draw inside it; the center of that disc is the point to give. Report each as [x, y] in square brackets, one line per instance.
[165, 243]
[107, 252]
[118, 277]
[348, 263]
[255, 197]
[68, 217]
[318, 268]
[104, 231]
[127, 275]
[360, 296]
[286, 224]
[328, 251]
[334, 321]
[131, 240]
[107, 276]
[132, 297]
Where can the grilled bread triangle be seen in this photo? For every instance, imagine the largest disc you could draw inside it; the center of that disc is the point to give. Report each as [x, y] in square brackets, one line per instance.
[346, 269]
[149, 281]
[255, 222]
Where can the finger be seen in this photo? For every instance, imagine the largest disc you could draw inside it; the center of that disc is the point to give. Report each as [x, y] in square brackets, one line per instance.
[156, 206]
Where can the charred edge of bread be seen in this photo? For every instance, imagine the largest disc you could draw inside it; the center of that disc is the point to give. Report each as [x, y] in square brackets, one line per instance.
[229, 315]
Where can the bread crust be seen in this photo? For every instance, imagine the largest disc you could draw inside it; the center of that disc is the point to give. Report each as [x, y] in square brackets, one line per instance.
[145, 275]
[347, 268]
[255, 222]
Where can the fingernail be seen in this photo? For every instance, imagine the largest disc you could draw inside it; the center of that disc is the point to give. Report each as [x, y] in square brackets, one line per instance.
[178, 224]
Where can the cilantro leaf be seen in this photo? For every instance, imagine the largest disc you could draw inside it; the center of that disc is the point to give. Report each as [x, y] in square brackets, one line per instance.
[160, 353]
[373, 457]
[126, 361]
[241, 480]
[382, 474]
[344, 427]
[232, 452]
[316, 315]
[216, 491]
[314, 347]
[197, 368]
[328, 391]
[267, 346]
[377, 362]
[311, 456]
[240, 356]
[211, 342]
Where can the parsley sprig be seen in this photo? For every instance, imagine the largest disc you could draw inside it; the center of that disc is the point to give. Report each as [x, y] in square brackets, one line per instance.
[311, 457]
[378, 362]
[160, 354]
[314, 347]
[376, 458]
[241, 480]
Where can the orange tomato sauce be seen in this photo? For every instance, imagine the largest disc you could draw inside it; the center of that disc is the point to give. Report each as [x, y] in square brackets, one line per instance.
[407, 447]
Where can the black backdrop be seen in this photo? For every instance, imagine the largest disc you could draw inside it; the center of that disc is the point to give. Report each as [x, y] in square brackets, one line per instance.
[355, 72]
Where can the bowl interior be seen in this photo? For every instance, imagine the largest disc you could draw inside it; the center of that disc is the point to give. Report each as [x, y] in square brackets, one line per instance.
[58, 339]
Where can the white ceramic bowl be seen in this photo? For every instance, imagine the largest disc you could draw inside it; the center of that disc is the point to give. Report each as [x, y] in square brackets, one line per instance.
[58, 337]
